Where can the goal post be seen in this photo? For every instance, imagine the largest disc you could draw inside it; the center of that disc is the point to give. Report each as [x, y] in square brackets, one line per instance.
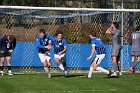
[24, 23]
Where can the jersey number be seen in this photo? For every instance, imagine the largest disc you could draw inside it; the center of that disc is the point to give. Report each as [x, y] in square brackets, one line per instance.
[134, 36]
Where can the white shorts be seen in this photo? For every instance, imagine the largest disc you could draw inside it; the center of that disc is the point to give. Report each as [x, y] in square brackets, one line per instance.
[59, 56]
[99, 58]
[44, 57]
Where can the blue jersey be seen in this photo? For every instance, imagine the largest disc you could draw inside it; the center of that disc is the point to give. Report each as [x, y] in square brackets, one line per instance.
[58, 45]
[41, 42]
[5, 45]
[99, 45]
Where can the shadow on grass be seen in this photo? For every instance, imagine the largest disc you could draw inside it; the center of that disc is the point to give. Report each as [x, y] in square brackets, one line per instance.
[111, 77]
[68, 76]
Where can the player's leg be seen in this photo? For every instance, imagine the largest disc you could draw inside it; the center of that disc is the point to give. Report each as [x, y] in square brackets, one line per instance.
[48, 65]
[97, 62]
[43, 59]
[119, 62]
[63, 61]
[115, 66]
[137, 54]
[48, 68]
[57, 60]
[2, 65]
[91, 70]
[136, 63]
[95, 65]
[45, 66]
[132, 60]
[8, 59]
[131, 69]
[115, 55]
[119, 68]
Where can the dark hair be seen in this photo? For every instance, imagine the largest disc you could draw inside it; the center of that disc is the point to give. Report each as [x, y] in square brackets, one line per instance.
[137, 28]
[42, 31]
[11, 38]
[56, 34]
[116, 25]
[93, 34]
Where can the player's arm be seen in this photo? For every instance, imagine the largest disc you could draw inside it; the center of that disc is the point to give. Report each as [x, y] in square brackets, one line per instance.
[110, 29]
[2, 40]
[13, 47]
[65, 47]
[52, 38]
[50, 45]
[92, 52]
[63, 51]
[38, 44]
[130, 38]
[14, 44]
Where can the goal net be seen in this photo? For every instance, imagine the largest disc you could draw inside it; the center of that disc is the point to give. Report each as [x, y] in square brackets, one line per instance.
[75, 23]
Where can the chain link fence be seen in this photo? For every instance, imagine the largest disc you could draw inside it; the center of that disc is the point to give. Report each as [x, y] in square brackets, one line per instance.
[24, 24]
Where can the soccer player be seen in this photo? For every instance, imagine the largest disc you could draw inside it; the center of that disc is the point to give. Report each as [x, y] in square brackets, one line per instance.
[60, 47]
[135, 51]
[44, 46]
[116, 47]
[98, 46]
[7, 46]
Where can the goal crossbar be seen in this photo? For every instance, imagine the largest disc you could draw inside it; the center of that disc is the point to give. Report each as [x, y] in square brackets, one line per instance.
[71, 9]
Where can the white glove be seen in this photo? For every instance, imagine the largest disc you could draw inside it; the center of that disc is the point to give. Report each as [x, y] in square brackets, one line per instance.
[1, 51]
[11, 51]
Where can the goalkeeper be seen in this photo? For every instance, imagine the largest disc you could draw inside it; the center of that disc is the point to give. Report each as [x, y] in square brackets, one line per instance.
[7, 45]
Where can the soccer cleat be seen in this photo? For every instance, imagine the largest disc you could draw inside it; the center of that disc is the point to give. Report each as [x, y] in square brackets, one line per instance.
[49, 75]
[120, 73]
[10, 74]
[114, 74]
[109, 75]
[2, 73]
[65, 73]
[89, 77]
[132, 70]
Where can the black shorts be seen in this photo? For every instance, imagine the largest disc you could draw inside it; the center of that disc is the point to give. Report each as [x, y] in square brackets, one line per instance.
[5, 54]
[135, 53]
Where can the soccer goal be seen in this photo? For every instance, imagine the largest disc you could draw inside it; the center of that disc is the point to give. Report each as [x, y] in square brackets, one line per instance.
[76, 23]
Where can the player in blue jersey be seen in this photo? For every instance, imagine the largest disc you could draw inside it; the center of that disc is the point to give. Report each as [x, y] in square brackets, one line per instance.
[7, 46]
[44, 45]
[98, 46]
[60, 47]
[135, 50]
[116, 47]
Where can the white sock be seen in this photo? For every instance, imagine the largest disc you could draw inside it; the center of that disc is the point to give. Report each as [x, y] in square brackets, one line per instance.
[90, 72]
[46, 69]
[61, 67]
[102, 70]
[1, 72]
[115, 73]
[9, 71]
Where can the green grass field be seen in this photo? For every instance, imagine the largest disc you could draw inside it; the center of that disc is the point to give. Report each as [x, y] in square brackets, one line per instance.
[99, 83]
